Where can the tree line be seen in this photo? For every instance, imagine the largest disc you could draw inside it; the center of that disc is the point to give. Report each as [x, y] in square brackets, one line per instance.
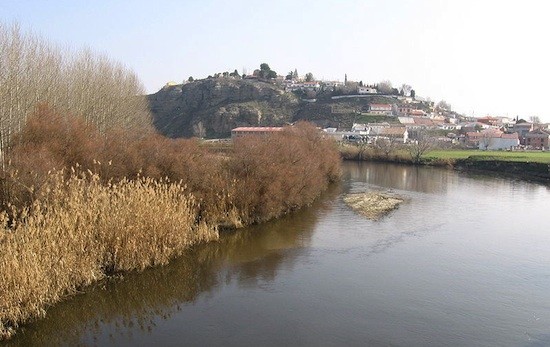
[33, 71]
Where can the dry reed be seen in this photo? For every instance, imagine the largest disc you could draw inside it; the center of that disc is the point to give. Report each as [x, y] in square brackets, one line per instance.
[79, 230]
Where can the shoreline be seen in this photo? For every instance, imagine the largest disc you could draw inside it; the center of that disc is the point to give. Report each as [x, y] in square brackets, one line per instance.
[528, 171]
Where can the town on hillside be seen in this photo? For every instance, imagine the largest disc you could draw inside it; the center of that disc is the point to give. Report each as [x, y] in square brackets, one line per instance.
[380, 111]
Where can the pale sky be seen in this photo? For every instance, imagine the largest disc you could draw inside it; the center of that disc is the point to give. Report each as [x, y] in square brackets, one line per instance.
[483, 57]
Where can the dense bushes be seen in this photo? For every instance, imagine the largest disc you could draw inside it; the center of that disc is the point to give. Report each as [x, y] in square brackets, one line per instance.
[81, 202]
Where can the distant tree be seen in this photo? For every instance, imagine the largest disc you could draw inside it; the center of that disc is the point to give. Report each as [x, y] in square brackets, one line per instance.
[401, 92]
[413, 93]
[385, 87]
[309, 77]
[190, 79]
[235, 74]
[534, 119]
[395, 91]
[406, 89]
[444, 105]
[289, 76]
[360, 83]
[386, 146]
[225, 74]
[486, 140]
[423, 143]
[295, 75]
[266, 72]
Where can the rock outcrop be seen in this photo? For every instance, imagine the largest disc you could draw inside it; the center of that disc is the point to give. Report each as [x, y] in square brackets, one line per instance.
[212, 107]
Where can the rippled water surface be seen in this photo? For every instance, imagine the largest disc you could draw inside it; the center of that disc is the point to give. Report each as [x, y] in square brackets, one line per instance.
[465, 261]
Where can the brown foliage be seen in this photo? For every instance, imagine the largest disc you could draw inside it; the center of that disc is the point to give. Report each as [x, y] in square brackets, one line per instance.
[276, 174]
[124, 201]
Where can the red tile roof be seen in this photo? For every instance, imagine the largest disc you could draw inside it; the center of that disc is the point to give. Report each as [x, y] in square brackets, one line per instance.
[257, 129]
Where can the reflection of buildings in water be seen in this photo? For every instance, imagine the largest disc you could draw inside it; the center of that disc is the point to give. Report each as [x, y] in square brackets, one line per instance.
[138, 302]
[400, 176]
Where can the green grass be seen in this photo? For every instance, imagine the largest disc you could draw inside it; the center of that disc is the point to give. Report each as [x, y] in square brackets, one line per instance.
[519, 156]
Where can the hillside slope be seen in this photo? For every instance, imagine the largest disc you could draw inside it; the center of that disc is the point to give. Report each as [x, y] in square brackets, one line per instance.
[212, 107]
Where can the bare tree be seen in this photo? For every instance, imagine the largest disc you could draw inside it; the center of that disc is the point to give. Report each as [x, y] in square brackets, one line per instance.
[33, 71]
[423, 143]
[406, 89]
[486, 140]
[385, 87]
[534, 119]
[444, 105]
[386, 145]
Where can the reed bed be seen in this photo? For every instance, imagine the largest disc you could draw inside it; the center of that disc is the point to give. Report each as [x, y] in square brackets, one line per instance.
[80, 230]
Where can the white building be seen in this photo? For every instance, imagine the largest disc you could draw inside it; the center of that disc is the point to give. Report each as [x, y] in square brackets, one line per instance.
[496, 139]
[366, 90]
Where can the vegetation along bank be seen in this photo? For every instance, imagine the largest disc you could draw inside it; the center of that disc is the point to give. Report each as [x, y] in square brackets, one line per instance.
[88, 189]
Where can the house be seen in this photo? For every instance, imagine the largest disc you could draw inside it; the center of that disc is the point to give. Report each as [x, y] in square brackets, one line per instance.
[385, 131]
[417, 113]
[382, 109]
[489, 120]
[332, 83]
[473, 126]
[472, 138]
[496, 139]
[398, 134]
[406, 120]
[305, 86]
[366, 90]
[522, 128]
[253, 131]
[538, 139]
[449, 126]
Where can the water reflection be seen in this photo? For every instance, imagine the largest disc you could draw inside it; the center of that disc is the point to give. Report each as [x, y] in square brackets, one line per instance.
[138, 301]
[404, 177]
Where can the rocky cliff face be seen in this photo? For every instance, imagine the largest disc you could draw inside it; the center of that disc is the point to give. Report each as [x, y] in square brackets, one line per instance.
[212, 107]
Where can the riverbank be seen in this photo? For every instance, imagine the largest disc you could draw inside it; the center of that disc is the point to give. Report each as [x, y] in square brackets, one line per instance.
[130, 203]
[533, 165]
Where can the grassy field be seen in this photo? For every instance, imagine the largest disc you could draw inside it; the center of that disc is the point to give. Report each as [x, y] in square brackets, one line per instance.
[519, 156]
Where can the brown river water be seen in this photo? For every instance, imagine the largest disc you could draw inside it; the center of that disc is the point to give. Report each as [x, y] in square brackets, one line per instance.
[465, 261]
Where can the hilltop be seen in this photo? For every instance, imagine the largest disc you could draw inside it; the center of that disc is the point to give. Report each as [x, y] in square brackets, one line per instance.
[211, 107]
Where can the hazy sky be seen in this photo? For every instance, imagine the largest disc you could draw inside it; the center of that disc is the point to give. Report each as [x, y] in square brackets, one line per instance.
[483, 57]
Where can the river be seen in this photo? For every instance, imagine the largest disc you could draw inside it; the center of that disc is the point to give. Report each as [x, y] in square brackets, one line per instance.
[465, 261]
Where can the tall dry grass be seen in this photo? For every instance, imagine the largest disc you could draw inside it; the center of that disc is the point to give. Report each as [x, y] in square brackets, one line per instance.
[79, 230]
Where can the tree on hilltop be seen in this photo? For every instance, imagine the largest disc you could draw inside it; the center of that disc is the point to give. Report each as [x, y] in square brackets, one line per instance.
[309, 77]
[266, 72]
[444, 105]
[406, 89]
[385, 87]
[190, 79]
